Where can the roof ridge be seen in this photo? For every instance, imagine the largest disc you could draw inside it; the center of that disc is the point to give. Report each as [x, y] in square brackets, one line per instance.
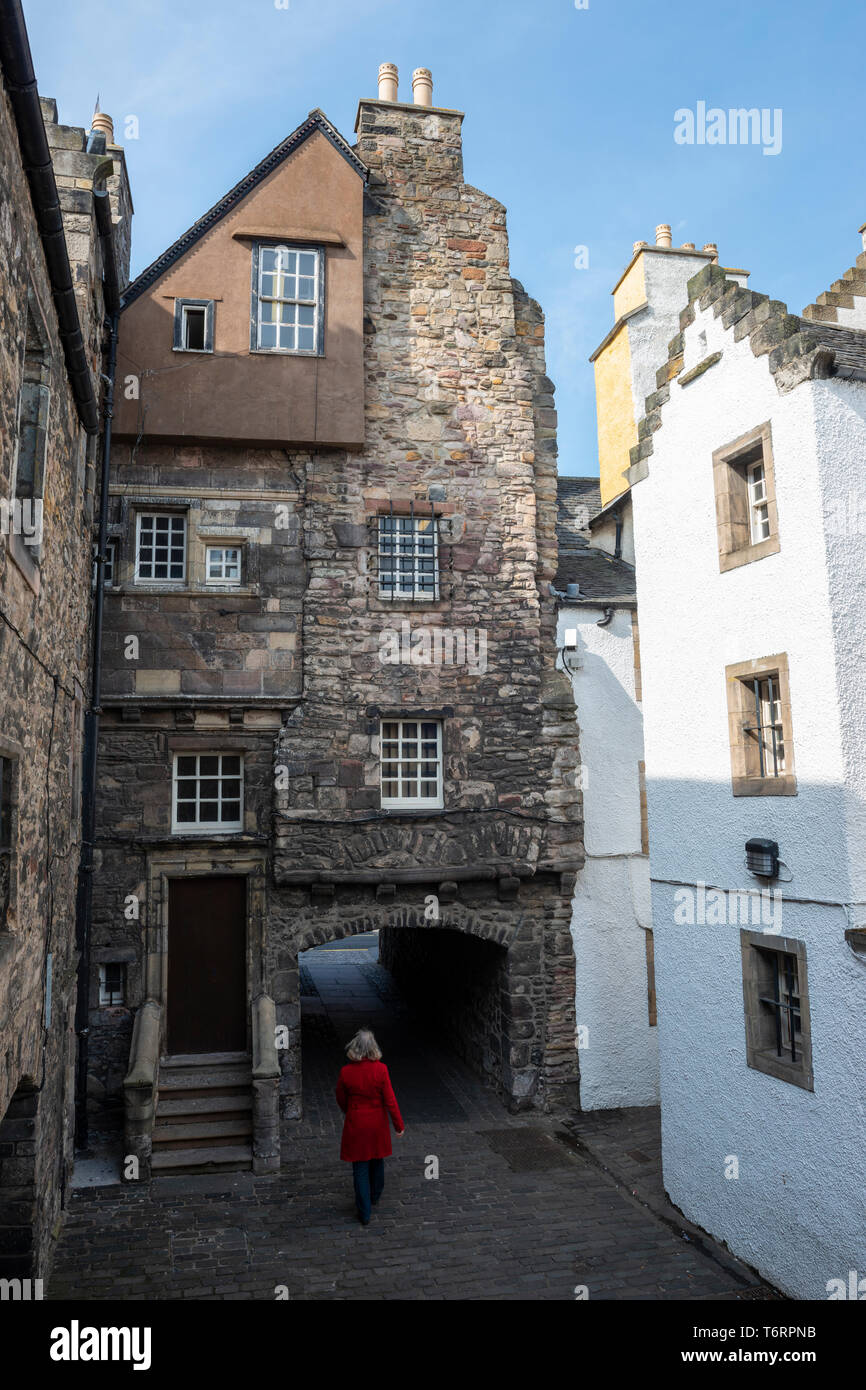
[316, 120]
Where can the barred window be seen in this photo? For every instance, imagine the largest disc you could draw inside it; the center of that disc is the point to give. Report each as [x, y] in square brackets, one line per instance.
[411, 760]
[112, 984]
[408, 557]
[288, 292]
[776, 999]
[160, 548]
[207, 792]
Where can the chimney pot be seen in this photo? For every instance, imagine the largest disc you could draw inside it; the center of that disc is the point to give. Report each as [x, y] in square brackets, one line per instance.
[638, 246]
[105, 124]
[687, 246]
[388, 81]
[422, 87]
[663, 234]
[713, 249]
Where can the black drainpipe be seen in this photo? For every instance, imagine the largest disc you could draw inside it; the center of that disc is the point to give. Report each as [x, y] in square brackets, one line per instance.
[84, 898]
[20, 81]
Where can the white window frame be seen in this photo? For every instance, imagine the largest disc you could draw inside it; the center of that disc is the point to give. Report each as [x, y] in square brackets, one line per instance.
[314, 302]
[221, 581]
[402, 802]
[197, 827]
[759, 505]
[154, 516]
[389, 549]
[105, 1000]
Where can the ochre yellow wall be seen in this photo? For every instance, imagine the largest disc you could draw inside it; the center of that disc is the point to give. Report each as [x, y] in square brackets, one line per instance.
[617, 431]
[631, 291]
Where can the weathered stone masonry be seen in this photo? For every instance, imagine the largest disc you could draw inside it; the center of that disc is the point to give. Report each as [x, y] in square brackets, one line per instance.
[44, 684]
[458, 419]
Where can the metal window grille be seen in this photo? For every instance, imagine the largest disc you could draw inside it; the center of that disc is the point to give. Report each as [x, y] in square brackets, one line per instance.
[408, 556]
[767, 729]
[112, 983]
[784, 1003]
[288, 294]
[411, 762]
[208, 791]
[223, 564]
[160, 551]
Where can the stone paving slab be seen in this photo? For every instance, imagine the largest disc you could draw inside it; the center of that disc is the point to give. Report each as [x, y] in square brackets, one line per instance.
[513, 1214]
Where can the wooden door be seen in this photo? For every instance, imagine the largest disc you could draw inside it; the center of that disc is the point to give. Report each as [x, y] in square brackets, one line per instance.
[207, 974]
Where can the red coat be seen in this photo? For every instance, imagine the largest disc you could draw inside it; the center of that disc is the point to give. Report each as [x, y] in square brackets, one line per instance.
[365, 1096]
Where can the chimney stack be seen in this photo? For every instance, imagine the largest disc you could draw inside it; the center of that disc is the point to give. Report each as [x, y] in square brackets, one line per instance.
[387, 81]
[422, 87]
[663, 234]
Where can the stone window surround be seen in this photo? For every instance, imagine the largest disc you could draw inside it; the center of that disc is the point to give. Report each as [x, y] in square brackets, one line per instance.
[759, 1056]
[180, 305]
[743, 783]
[199, 861]
[198, 538]
[101, 974]
[732, 517]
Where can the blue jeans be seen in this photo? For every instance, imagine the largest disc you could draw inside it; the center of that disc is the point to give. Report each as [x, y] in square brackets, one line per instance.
[369, 1180]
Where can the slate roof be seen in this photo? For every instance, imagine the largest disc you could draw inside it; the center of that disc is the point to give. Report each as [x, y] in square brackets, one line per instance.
[317, 120]
[600, 576]
[847, 344]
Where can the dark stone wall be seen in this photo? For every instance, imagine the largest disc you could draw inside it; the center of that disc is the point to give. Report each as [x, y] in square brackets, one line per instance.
[44, 687]
[460, 986]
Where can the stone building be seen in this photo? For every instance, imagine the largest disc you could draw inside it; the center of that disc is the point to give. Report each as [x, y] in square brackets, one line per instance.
[51, 339]
[749, 505]
[331, 701]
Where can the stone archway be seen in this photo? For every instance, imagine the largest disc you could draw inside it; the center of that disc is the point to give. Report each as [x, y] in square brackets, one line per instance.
[477, 973]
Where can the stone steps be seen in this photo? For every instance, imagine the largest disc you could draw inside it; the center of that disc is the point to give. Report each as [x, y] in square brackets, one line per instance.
[203, 1118]
[202, 1160]
[200, 1134]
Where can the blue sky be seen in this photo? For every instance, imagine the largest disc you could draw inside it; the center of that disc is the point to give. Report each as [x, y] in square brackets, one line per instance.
[569, 122]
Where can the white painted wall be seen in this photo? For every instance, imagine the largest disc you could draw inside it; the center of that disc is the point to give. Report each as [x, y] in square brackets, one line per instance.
[612, 897]
[797, 1210]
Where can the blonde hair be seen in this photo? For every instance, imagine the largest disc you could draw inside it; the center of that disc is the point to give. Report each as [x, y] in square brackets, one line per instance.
[363, 1047]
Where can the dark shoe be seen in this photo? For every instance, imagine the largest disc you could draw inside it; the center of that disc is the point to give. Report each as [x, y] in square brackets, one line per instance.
[364, 1220]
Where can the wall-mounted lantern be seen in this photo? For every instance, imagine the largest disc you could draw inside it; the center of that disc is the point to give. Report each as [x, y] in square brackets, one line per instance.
[762, 858]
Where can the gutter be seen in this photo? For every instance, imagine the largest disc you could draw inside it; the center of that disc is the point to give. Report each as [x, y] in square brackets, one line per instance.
[20, 80]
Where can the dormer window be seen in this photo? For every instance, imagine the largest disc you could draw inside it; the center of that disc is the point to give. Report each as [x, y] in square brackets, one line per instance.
[287, 300]
[193, 325]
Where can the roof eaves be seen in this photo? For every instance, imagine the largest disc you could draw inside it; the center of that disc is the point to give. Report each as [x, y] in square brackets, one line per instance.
[316, 121]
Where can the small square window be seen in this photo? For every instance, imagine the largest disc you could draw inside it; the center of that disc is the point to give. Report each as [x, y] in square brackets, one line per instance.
[193, 325]
[411, 763]
[160, 548]
[112, 984]
[223, 564]
[207, 792]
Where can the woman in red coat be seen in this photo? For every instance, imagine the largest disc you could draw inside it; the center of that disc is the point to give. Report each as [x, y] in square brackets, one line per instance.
[366, 1098]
